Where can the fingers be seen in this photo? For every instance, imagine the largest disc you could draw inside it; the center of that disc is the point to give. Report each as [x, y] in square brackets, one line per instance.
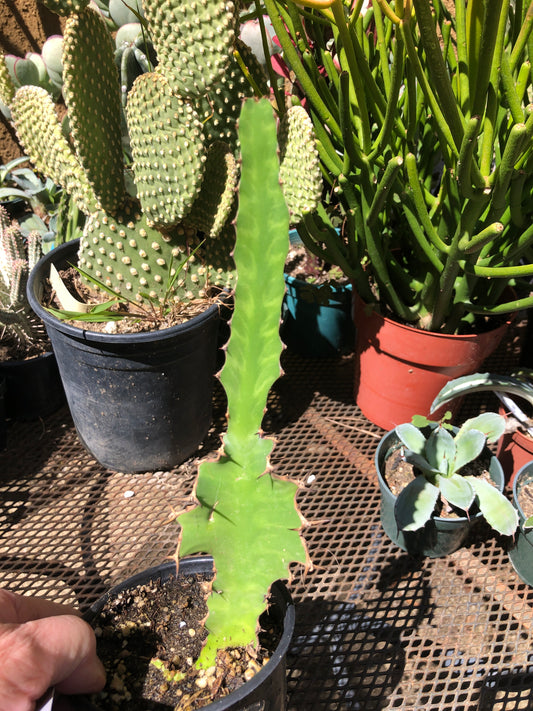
[58, 650]
[18, 608]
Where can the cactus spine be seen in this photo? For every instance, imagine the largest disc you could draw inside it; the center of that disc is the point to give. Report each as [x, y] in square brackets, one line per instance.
[181, 121]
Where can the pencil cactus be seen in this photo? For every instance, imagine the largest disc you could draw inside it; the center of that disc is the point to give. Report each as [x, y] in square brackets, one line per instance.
[16, 260]
[181, 122]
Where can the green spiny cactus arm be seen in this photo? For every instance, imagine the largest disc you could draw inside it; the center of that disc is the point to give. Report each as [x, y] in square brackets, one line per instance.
[193, 41]
[92, 94]
[168, 150]
[300, 176]
[65, 7]
[211, 209]
[247, 518]
[220, 109]
[39, 132]
[7, 88]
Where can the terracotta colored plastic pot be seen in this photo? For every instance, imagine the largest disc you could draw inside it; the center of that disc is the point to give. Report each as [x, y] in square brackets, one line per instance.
[515, 449]
[399, 369]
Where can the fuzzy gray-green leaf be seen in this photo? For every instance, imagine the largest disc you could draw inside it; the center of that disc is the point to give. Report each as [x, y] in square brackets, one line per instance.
[411, 437]
[497, 510]
[457, 491]
[415, 504]
[440, 450]
[469, 445]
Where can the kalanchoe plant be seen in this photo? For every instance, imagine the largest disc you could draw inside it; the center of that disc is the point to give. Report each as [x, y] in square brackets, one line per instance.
[245, 516]
[518, 383]
[181, 120]
[439, 461]
[425, 126]
[17, 258]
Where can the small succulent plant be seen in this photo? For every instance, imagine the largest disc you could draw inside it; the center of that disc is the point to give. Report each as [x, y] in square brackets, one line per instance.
[17, 319]
[440, 461]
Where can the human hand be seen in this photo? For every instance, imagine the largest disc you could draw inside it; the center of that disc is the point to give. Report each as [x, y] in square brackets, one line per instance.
[44, 644]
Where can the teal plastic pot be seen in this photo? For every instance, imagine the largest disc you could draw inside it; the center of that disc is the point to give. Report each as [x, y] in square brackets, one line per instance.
[316, 318]
[521, 554]
[440, 536]
[140, 401]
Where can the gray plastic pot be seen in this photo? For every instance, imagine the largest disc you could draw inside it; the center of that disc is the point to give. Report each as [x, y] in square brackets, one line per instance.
[521, 554]
[267, 690]
[440, 536]
[140, 401]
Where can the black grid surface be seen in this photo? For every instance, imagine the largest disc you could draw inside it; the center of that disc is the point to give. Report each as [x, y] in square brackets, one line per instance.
[376, 628]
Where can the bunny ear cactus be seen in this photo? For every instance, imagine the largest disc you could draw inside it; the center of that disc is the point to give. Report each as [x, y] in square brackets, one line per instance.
[181, 121]
[246, 517]
[439, 459]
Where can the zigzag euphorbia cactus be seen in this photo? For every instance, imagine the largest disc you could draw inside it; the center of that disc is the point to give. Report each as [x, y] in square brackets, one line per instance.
[246, 517]
[181, 119]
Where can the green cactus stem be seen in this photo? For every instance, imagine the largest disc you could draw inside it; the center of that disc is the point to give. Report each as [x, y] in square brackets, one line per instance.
[193, 42]
[16, 316]
[168, 150]
[91, 86]
[246, 516]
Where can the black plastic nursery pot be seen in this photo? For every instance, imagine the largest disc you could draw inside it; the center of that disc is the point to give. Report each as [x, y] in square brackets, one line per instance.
[521, 554]
[267, 690]
[140, 401]
[440, 536]
[33, 387]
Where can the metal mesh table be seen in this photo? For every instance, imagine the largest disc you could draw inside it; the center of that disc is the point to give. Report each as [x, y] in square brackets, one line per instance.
[376, 628]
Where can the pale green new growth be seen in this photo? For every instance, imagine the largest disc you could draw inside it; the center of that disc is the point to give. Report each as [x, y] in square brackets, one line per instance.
[246, 517]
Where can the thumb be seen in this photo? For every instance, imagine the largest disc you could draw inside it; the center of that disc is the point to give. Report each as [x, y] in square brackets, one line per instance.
[51, 651]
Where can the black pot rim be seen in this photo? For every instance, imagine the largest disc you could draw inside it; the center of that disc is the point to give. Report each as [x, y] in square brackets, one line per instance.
[62, 253]
[204, 563]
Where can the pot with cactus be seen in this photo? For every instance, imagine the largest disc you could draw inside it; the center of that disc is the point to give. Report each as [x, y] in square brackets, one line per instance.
[423, 116]
[242, 514]
[32, 386]
[437, 481]
[159, 231]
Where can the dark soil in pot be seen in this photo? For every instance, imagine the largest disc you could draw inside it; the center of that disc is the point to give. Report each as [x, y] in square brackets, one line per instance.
[525, 499]
[164, 622]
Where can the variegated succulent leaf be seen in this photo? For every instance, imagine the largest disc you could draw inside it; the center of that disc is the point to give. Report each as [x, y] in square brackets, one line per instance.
[168, 148]
[300, 173]
[193, 41]
[92, 93]
[41, 136]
